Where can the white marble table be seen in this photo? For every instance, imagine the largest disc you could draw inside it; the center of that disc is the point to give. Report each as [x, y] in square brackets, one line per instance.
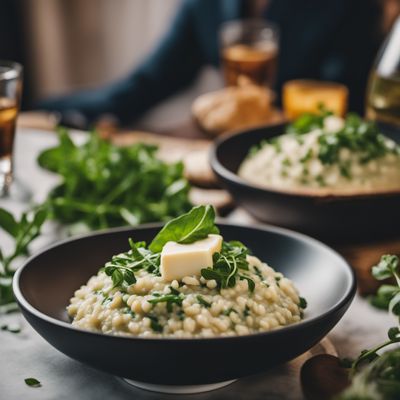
[27, 355]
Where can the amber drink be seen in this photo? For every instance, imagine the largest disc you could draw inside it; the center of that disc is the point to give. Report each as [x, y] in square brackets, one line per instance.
[249, 49]
[10, 93]
[258, 64]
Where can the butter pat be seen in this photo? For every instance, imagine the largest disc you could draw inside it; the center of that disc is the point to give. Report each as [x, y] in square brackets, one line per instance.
[180, 260]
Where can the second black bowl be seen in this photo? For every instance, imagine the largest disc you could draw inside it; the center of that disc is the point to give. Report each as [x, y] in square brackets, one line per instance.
[333, 218]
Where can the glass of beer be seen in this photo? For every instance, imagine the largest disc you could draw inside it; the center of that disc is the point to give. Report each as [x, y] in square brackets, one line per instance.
[249, 48]
[10, 95]
[383, 95]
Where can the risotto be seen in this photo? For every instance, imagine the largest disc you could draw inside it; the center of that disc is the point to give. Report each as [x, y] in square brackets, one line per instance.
[237, 295]
[326, 155]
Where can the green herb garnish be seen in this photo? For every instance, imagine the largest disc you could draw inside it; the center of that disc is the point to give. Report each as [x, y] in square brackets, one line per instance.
[302, 303]
[228, 264]
[246, 311]
[169, 299]
[308, 122]
[32, 382]
[122, 267]
[203, 302]
[154, 324]
[228, 311]
[358, 136]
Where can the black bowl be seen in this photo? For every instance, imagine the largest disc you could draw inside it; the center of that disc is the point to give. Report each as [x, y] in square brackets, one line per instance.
[44, 285]
[332, 218]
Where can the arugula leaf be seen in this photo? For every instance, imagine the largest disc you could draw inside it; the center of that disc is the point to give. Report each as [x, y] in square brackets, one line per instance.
[197, 224]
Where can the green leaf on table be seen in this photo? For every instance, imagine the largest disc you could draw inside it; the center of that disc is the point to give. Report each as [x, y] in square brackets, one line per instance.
[10, 328]
[195, 225]
[8, 223]
[33, 382]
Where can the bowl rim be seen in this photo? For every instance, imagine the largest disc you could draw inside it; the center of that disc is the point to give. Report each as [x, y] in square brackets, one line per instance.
[346, 299]
[221, 171]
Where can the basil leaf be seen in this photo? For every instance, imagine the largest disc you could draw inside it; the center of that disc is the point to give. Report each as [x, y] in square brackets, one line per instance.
[197, 224]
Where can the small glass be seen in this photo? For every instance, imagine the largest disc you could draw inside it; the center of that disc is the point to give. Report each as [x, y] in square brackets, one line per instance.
[249, 48]
[383, 94]
[10, 96]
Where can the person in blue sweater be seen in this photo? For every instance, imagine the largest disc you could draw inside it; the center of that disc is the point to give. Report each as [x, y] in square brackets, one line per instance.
[332, 40]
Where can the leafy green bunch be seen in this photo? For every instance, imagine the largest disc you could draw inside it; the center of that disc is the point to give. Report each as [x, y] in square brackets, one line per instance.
[377, 376]
[23, 232]
[228, 265]
[103, 185]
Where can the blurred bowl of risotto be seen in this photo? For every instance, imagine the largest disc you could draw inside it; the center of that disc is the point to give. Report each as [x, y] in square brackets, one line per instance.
[334, 178]
[242, 316]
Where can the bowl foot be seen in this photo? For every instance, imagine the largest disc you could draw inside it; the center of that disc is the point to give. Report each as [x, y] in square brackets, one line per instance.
[178, 389]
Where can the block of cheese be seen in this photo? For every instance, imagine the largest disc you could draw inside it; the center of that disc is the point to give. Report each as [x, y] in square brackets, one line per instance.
[180, 260]
[301, 96]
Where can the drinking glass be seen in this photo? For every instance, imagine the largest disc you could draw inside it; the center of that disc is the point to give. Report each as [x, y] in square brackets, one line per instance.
[10, 95]
[383, 94]
[249, 48]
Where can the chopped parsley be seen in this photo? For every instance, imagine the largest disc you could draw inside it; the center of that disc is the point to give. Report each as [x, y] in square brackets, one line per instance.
[302, 303]
[154, 324]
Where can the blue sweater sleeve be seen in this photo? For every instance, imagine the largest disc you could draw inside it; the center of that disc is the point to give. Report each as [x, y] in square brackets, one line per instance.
[172, 66]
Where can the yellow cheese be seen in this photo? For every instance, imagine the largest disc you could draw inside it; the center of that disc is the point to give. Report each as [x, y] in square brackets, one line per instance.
[180, 260]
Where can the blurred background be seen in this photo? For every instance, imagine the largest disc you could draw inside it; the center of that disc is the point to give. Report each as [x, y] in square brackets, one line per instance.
[72, 45]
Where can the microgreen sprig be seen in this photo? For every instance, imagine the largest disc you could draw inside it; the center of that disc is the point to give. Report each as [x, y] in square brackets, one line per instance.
[388, 297]
[122, 267]
[228, 264]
